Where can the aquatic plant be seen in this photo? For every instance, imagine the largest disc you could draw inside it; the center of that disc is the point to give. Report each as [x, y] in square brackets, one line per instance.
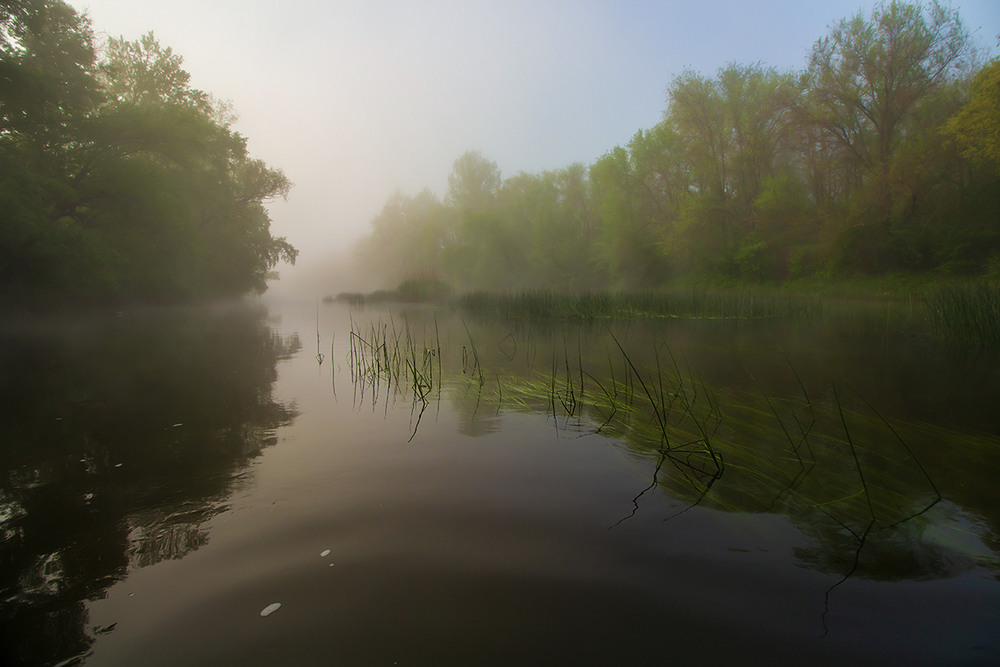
[743, 303]
[817, 462]
[966, 312]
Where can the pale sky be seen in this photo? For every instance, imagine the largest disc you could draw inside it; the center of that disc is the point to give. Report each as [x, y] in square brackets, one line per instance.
[354, 99]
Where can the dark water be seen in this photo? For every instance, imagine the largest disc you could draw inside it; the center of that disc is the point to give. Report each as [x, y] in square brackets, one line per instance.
[809, 495]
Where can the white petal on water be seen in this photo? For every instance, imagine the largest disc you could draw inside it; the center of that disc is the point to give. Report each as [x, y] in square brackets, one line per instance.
[270, 609]
[324, 553]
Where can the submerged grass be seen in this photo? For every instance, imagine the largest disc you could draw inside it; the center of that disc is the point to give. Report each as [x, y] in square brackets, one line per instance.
[837, 468]
[786, 454]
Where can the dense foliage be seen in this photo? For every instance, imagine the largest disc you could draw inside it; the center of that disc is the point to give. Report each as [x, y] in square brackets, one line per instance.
[880, 156]
[118, 180]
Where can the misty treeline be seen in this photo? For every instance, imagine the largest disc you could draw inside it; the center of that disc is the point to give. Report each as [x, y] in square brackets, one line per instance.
[881, 156]
[118, 180]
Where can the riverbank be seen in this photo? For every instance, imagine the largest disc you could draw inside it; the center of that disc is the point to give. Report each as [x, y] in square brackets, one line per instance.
[965, 311]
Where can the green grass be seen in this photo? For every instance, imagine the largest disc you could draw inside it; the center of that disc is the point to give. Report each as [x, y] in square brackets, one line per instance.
[741, 303]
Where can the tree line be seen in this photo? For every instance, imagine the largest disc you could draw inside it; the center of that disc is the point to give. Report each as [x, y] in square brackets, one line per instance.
[118, 179]
[881, 156]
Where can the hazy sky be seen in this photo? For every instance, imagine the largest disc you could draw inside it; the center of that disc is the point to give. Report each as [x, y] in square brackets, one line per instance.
[356, 98]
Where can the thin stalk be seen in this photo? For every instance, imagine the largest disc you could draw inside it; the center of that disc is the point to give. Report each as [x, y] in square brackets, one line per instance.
[857, 462]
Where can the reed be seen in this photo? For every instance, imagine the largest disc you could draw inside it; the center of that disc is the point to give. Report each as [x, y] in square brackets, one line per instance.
[390, 358]
[744, 303]
[409, 291]
[790, 454]
[967, 312]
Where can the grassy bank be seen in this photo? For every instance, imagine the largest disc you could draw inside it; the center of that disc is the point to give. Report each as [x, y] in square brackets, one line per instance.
[967, 312]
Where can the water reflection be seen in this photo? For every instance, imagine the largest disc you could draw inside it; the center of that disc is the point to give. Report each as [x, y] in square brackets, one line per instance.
[124, 434]
[747, 418]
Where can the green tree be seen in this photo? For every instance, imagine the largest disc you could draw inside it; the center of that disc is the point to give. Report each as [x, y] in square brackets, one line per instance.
[630, 217]
[408, 239]
[734, 136]
[550, 227]
[47, 63]
[758, 103]
[488, 252]
[757, 174]
[474, 181]
[976, 127]
[47, 88]
[869, 75]
[118, 179]
[143, 71]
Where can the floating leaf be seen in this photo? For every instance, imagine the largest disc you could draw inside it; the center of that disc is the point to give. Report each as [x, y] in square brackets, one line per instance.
[270, 609]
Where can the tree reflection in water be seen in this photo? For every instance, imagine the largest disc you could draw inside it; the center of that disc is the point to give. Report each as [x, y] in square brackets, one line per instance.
[860, 487]
[124, 433]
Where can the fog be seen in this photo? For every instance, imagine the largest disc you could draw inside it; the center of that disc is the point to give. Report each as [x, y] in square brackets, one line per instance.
[355, 100]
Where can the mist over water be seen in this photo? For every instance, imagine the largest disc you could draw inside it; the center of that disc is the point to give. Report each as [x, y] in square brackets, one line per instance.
[574, 339]
[171, 474]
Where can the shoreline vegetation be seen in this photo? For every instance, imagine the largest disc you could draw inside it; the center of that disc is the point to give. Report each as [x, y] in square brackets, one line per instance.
[121, 183]
[870, 174]
[965, 312]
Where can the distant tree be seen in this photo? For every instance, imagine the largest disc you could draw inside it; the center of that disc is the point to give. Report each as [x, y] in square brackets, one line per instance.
[474, 181]
[631, 224]
[407, 240]
[869, 75]
[759, 103]
[756, 174]
[550, 227]
[734, 136]
[977, 126]
[696, 108]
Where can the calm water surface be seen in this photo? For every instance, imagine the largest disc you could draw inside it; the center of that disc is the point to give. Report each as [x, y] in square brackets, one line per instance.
[807, 495]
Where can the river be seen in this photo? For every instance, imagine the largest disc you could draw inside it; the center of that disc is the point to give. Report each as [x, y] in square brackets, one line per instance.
[301, 483]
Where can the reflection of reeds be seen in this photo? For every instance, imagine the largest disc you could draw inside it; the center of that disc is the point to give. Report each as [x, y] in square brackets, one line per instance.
[779, 454]
[845, 476]
[470, 359]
